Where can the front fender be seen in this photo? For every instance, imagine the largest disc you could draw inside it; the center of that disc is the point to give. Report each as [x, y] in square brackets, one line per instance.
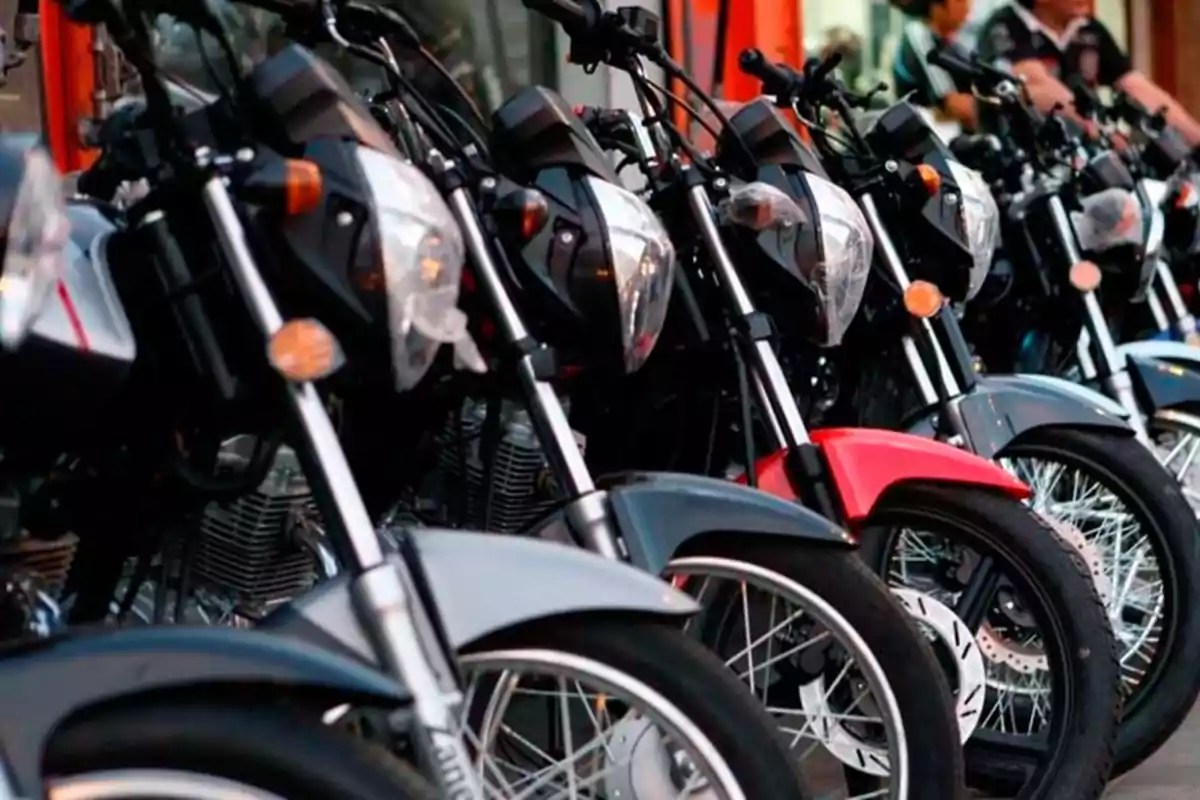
[866, 462]
[657, 513]
[55, 679]
[1000, 409]
[1179, 352]
[1064, 388]
[1163, 384]
[484, 583]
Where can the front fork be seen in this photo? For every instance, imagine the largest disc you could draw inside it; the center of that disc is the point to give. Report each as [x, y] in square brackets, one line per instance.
[1174, 313]
[385, 592]
[1109, 370]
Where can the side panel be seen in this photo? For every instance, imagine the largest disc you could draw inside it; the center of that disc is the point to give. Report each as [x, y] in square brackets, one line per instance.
[658, 513]
[53, 680]
[86, 314]
[866, 462]
[484, 583]
[1162, 384]
[998, 411]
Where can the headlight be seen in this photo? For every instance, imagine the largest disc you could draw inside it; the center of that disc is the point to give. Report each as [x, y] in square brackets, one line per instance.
[839, 277]
[981, 220]
[643, 265]
[1109, 219]
[422, 263]
[38, 233]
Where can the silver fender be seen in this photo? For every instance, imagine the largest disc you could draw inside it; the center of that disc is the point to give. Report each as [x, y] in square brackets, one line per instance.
[1061, 386]
[484, 583]
[1179, 352]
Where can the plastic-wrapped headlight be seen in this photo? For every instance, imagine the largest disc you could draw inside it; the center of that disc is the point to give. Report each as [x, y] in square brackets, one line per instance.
[981, 220]
[643, 265]
[38, 235]
[422, 253]
[1111, 218]
[847, 245]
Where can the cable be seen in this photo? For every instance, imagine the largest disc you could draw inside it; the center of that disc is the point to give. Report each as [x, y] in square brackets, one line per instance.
[683, 104]
[440, 68]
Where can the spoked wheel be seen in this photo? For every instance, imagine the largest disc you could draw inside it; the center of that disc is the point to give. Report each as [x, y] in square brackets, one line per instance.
[854, 687]
[1052, 698]
[1109, 498]
[607, 706]
[1176, 437]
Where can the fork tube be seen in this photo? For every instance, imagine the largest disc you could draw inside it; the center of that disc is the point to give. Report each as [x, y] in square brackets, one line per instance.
[1110, 369]
[770, 378]
[1185, 323]
[384, 592]
[1161, 322]
[895, 265]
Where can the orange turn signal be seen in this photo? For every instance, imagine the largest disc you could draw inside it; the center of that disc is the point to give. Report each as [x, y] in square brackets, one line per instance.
[923, 299]
[1186, 197]
[931, 179]
[1085, 276]
[302, 186]
[304, 350]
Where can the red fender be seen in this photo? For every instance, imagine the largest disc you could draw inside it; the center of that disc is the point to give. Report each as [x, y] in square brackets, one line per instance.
[865, 462]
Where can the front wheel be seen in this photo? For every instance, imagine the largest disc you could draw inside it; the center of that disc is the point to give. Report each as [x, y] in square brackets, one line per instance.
[215, 752]
[618, 706]
[1111, 498]
[834, 657]
[1053, 689]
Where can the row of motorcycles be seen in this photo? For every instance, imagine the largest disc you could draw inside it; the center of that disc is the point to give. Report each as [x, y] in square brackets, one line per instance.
[359, 445]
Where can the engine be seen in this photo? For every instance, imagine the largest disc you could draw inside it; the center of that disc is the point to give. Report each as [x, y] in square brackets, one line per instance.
[522, 487]
[253, 551]
[33, 570]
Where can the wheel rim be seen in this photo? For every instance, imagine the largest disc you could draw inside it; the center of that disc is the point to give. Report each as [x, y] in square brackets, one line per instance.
[1176, 438]
[1121, 554]
[151, 784]
[1039, 746]
[820, 720]
[652, 752]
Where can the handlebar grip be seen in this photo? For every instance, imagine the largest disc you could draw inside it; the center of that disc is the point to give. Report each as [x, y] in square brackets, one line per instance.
[774, 79]
[568, 13]
[953, 63]
[823, 68]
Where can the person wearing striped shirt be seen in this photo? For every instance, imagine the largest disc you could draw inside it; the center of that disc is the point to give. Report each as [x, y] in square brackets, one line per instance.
[931, 23]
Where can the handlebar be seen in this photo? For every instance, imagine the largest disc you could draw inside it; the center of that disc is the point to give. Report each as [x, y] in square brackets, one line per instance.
[776, 80]
[573, 16]
[952, 62]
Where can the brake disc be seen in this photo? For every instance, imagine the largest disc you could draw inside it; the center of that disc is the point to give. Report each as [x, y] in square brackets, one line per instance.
[1027, 659]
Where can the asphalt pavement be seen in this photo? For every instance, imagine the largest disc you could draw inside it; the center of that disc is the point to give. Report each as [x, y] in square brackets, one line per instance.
[1173, 773]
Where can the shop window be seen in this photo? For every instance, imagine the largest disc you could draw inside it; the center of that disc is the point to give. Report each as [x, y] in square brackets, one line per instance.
[21, 96]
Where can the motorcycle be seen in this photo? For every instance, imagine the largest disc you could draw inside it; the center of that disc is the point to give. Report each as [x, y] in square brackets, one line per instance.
[187, 713]
[1049, 290]
[159, 347]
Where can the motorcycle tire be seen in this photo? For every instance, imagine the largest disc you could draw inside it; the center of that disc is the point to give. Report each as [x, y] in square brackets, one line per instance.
[1077, 641]
[670, 667]
[261, 748]
[1165, 695]
[935, 761]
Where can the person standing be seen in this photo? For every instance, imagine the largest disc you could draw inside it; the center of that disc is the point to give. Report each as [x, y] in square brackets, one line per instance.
[932, 23]
[1049, 43]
